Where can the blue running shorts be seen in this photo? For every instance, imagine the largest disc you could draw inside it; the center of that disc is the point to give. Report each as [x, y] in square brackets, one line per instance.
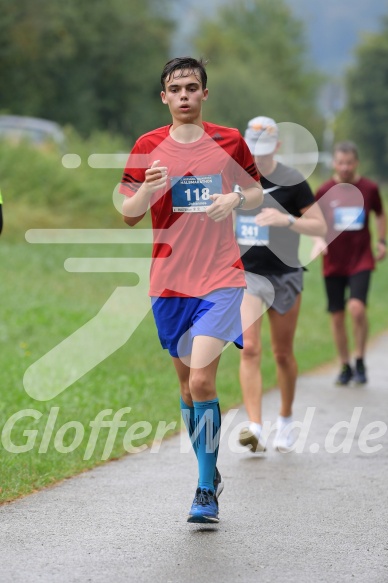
[216, 314]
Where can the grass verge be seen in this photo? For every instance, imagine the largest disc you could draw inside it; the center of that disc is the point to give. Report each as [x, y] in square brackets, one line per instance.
[43, 304]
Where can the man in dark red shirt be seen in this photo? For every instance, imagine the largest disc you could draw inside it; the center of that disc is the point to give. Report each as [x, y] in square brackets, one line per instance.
[346, 201]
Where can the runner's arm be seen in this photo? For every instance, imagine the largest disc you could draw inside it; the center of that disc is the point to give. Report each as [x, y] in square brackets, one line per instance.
[224, 204]
[311, 222]
[135, 207]
[381, 228]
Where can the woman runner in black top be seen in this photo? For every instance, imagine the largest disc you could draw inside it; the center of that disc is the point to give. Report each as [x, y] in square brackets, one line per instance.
[269, 241]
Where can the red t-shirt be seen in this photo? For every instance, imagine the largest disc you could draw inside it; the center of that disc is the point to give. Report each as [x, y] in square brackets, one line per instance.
[346, 208]
[192, 254]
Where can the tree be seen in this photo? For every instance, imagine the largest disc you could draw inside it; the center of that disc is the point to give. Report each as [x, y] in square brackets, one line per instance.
[257, 65]
[367, 111]
[94, 65]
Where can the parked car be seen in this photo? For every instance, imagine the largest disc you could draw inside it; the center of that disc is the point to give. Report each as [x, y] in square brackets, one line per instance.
[40, 132]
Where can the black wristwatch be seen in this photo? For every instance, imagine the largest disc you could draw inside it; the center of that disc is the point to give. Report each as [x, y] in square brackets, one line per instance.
[237, 189]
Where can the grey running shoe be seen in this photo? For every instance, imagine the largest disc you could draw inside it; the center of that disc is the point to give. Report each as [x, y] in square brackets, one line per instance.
[345, 376]
[359, 375]
[248, 439]
[218, 484]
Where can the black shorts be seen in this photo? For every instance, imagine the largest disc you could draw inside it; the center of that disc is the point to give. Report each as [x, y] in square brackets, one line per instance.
[336, 288]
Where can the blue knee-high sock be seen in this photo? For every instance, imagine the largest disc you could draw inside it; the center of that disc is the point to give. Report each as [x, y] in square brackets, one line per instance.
[207, 416]
[188, 419]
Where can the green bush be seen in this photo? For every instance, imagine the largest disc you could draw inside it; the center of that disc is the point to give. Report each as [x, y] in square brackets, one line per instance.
[39, 191]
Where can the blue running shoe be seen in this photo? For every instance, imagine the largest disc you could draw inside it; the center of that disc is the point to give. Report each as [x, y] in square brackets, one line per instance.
[204, 507]
[218, 484]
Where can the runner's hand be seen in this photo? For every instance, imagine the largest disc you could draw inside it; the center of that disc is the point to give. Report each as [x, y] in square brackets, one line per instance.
[381, 251]
[222, 206]
[155, 177]
[272, 218]
[319, 247]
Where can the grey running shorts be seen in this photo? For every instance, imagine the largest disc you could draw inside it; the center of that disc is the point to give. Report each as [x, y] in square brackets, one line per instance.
[277, 291]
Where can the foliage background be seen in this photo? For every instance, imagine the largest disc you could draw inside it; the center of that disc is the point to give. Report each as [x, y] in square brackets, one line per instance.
[94, 65]
[365, 119]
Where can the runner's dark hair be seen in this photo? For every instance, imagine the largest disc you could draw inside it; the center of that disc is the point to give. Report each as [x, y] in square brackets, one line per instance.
[346, 148]
[188, 64]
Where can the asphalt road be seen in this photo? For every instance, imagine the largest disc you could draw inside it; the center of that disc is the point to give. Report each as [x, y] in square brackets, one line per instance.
[317, 515]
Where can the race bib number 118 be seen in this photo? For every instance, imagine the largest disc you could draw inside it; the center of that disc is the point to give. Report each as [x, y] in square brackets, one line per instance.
[191, 194]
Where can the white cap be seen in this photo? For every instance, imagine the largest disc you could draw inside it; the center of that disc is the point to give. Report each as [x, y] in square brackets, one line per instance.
[261, 135]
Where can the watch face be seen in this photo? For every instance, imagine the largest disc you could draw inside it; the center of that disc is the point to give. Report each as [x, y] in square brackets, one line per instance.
[291, 219]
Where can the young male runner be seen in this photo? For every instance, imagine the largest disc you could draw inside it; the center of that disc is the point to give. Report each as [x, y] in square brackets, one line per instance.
[348, 260]
[186, 172]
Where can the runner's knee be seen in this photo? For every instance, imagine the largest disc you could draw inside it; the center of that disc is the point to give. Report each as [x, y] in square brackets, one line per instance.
[201, 386]
[338, 317]
[283, 358]
[185, 393]
[251, 351]
[356, 309]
